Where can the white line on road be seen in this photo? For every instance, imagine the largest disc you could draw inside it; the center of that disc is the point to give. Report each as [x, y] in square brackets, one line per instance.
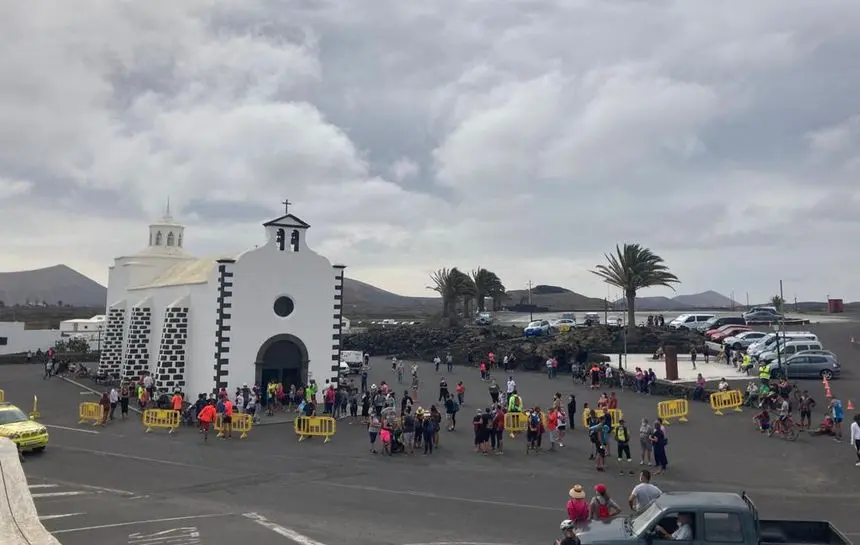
[132, 457]
[58, 494]
[54, 426]
[438, 496]
[292, 535]
[52, 517]
[137, 522]
[34, 486]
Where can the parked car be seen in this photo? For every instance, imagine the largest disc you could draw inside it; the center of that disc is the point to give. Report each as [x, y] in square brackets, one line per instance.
[537, 328]
[484, 318]
[714, 517]
[615, 321]
[762, 316]
[731, 330]
[743, 339]
[719, 321]
[788, 348]
[562, 325]
[768, 342]
[689, 321]
[803, 366]
[591, 318]
[722, 329]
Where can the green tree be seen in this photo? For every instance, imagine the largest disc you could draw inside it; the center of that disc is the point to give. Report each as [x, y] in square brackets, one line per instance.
[467, 292]
[631, 268]
[777, 302]
[487, 284]
[449, 284]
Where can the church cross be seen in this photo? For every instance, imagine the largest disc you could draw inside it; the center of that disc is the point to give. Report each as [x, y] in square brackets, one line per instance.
[286, 204]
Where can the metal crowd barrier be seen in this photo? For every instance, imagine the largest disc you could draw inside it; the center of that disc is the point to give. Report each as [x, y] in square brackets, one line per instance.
[315, 426]
[240, 423]
[161, 419]
[673, 408]
[90, 412]
[733, 399]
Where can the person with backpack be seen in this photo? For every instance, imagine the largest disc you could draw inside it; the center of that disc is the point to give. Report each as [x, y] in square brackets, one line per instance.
[451, 408]
[577, 508]
[533, 430]
[622, 438]
[602, 507]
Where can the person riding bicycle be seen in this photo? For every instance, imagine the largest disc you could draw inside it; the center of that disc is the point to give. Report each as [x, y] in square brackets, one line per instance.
[567, 531]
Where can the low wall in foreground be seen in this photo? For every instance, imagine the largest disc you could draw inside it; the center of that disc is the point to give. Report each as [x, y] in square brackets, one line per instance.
[19, 522]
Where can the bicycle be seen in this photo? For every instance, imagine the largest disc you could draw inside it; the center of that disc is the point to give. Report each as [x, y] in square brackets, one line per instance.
[785, 429]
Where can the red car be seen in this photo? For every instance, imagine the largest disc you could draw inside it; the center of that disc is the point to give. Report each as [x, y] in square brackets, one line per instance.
[731, 331]
[719, 329]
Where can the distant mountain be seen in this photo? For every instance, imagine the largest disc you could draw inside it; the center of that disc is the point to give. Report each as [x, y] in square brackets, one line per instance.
[555, 298]
[362, 299]
[53, 286]
[705, 300]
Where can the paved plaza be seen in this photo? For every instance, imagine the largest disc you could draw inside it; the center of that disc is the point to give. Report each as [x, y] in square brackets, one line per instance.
[119, 485]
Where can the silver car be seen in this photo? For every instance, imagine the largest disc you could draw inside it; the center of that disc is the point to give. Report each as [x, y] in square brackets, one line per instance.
[803, 366]
[743, 340]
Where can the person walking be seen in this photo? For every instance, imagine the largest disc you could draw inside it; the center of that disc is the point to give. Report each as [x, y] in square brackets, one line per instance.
[646, 447]
[855, 437]
[658, 439]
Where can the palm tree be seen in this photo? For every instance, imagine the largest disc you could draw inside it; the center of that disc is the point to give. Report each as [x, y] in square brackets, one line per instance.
[449, 284]
[487, 284]
[467, 291]
[632, 268]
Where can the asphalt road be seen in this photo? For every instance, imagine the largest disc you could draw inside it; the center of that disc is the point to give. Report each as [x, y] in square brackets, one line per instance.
[119, 485]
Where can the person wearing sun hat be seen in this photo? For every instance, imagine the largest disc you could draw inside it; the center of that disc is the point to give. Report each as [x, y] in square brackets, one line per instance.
[577, 506]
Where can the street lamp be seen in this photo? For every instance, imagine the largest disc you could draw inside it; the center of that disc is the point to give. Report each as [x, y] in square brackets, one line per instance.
[778, 356]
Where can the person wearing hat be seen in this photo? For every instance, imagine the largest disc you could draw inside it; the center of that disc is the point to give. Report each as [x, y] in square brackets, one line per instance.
[603, 507]
[577, 506]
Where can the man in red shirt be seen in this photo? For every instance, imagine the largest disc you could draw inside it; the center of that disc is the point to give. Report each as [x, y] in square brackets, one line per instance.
[228, 419]
[205, 418]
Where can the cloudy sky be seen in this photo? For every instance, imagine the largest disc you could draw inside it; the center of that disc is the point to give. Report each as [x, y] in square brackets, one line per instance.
[526, 136]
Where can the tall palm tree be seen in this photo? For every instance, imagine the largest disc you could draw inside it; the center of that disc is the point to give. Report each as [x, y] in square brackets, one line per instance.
[777, 302]
[467, 291]
[448, 283]
[631, 268]
[487, 284]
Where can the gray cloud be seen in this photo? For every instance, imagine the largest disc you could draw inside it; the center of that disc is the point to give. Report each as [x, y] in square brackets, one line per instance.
[526, 137]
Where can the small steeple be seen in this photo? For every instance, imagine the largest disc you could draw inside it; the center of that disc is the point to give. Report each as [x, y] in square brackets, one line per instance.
[167, 215]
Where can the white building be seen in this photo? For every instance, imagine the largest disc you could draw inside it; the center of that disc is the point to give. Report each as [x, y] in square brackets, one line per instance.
[273, 312]
[14, 339]
[83, 328]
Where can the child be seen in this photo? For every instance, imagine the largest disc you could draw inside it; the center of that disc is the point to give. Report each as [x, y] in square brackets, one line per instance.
[763, 419]
[461, 393]
[600, 456]
[825, 428]
[385, 435]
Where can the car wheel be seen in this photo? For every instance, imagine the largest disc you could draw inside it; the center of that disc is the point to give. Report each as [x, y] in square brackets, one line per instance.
[737, 346]
[827, 373]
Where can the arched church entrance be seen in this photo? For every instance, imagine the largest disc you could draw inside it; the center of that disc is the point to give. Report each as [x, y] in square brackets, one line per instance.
[283, 358]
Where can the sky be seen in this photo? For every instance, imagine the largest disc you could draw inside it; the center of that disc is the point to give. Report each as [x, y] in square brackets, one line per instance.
[527, 137]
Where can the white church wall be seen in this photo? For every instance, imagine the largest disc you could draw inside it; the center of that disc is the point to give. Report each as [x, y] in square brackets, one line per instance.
[260, 277]
[200, 352]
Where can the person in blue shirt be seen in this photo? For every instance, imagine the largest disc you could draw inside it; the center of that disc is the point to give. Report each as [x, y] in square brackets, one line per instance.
[838, 414]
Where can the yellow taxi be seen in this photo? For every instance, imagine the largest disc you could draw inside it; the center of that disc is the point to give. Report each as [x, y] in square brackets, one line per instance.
[25, 432]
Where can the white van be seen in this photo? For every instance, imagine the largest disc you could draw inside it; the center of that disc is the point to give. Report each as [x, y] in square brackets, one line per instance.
[768, 343]
[789, 348]
[689, 321]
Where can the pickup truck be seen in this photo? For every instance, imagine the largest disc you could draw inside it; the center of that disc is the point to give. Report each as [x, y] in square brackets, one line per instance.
[716, 518]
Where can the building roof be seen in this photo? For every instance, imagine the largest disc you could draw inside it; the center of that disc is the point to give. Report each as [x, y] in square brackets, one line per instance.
[289, 220]
[162, 251]
[195, 271]
[97, 319]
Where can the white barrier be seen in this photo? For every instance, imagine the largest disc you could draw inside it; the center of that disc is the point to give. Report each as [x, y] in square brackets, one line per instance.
[19, 522]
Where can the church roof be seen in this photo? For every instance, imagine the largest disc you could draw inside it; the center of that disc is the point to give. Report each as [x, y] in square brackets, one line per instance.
[163, 251]
[288, 220]
[196, 271]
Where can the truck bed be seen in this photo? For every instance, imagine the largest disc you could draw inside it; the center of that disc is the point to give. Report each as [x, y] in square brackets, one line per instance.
[782, 532]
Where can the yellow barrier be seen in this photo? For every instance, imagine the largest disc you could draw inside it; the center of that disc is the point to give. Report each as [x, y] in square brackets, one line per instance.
[315, 426]
[516, 423]
[673, 408]
[733, 399]
[241, 423]
[35, 414]
[90, 412]
[616, 415]
[161, 418]
[2, 396]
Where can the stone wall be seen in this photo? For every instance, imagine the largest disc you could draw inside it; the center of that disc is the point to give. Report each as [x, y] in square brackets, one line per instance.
[136, 359]
[170, 370]
[110, 360]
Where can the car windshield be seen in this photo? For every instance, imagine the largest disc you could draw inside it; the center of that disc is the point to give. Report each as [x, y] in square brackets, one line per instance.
[534, 324]
[10, 416]
[711, 321]
[640, 522]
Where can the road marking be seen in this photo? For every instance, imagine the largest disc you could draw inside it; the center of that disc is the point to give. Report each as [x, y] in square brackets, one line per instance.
[106, 490]
[136, 522]
[54, 426]
[58, 494]
[132, 457]
[188, 535]
[34, 486]
[438, 496]
[52, 517]
[292, 535]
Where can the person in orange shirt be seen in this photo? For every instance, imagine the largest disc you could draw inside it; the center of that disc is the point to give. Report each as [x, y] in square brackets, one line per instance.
[228, 419]
[176, 402]
[552, 427]
[205, 418]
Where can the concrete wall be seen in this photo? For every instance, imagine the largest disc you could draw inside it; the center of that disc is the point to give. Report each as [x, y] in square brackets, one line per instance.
[20, 340]
[19, 521]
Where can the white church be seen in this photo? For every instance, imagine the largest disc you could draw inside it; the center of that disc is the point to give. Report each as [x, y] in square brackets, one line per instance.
[199, 324]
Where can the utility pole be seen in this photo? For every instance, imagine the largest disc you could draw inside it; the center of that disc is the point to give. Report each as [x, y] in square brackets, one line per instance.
[733, 301]
[782, 327]
[531, 308]
[748, 300]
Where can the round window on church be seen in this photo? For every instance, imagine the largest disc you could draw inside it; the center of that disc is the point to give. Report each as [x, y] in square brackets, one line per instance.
[284, 306]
